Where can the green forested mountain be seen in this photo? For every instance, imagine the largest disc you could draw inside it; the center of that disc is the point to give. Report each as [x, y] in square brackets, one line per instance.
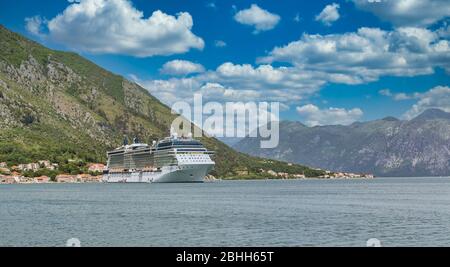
[58, 106]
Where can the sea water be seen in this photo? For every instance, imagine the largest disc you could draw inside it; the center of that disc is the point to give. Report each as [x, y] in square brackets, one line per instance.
[396, 211]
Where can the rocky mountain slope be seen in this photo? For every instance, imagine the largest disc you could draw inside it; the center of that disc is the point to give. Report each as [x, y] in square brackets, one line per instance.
[387, 147]
[58, 106]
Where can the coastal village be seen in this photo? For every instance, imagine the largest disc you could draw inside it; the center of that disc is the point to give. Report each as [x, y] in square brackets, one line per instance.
[16, 174]
[327, 175]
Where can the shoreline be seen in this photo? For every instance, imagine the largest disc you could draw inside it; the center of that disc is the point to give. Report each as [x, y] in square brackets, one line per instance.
[205, 181]
[19, 178]
[218, 180]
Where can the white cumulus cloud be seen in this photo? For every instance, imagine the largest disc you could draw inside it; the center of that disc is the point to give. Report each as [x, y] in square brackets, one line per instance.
[329, 14]
[314, 61]
[398, 96]
[117, 27]
[181, 67]
[257, 17]
[314, 116]
[217, 92]
[234, 82]
[367, 54]
[34, 25]
[282, 84]
[220, 43]
[407, 12]
[437, 97]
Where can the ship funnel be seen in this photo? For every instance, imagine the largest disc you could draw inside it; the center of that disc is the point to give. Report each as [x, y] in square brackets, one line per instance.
[135, 140]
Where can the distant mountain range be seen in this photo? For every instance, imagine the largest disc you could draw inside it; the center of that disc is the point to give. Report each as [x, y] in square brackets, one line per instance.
[386, 147]
[57, 106]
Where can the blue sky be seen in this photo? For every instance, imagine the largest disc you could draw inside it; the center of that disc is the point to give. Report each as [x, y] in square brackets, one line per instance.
[327, 62]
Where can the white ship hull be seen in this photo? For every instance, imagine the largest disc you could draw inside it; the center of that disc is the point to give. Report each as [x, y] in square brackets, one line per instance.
[186, 173]
[172, 160]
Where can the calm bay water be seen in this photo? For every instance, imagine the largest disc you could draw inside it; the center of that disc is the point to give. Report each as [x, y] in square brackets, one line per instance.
[397, 211]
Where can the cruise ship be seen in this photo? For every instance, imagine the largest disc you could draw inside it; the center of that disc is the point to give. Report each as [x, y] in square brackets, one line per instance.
[171, 160]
